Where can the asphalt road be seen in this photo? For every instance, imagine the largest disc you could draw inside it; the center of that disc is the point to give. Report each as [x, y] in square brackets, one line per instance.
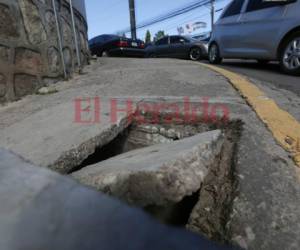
[269, 74]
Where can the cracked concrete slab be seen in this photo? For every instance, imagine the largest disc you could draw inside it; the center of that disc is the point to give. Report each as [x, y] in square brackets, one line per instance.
[40, 209]
[161, 174]
[52, 138]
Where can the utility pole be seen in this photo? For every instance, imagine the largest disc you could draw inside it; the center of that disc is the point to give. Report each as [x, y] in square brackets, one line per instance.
[212, 14]
[132, 19]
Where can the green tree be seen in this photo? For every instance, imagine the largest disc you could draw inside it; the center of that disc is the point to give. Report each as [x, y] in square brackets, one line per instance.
[160, 34]
[148, 37]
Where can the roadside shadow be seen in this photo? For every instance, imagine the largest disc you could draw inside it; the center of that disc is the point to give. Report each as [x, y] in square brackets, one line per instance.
[269, 73]
[250, 64]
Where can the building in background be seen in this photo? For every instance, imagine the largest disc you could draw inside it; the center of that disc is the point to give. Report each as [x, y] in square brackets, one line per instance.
[31, 53]
[204, 36]
[191, 27]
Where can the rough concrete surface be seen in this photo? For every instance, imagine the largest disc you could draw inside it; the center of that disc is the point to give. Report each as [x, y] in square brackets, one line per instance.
[161, 175]
[62, 143]
[265, 213]
[52, 138]
[40, 209]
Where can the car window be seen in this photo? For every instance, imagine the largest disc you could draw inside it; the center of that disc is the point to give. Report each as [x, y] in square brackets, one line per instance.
[163, 41]
[110, 37]
[106, 38]
[92, 42]
[188, 40]
[234, 8]
[176, 39]
[259, 4]
[99, 39]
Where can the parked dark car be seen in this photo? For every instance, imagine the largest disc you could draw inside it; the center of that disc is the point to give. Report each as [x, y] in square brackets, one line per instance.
[177, 47]
[205, 42]
[113, 45]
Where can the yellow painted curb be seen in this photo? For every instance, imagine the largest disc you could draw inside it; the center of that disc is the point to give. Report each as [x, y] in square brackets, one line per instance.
[284, 127]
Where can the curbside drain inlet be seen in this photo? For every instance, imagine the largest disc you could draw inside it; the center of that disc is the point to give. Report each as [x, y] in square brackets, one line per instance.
[181, 174]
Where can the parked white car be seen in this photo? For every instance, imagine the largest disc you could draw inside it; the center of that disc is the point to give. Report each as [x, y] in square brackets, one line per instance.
[265, 30]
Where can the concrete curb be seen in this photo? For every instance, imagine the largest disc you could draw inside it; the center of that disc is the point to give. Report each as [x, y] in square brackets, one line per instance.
[284, 127]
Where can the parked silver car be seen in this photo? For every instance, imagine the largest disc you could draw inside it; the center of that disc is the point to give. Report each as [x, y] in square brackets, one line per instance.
[264, 30]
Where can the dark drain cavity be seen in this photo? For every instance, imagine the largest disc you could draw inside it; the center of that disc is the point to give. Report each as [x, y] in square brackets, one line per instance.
[115, 147]
[208, 210]
[177, 214]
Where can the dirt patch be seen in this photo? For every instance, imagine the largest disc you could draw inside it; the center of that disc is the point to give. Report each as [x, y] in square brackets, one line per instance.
[212, 212]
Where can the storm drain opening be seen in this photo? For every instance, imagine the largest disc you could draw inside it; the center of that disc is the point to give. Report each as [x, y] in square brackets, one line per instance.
[182, 174]
[206, 211]
[177, 214]
[115, 147]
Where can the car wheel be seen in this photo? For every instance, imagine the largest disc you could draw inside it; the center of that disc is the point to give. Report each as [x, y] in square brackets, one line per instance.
[195, 54]
[105, 53]
[290, 55]
[214, 54]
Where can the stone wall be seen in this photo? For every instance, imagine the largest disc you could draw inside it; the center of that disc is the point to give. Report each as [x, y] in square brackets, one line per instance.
[29, 51]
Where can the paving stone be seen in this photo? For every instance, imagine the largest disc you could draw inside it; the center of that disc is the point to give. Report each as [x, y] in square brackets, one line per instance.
[67, 57]
[8, 23]
[54, 60]
[28, 60]
[51, 24]
[4, 53]
[2, 85]
[33, 24]
[66, 32]
[24, 84]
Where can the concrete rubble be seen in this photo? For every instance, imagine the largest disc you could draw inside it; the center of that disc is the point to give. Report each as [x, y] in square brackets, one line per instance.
[159, 175]
[57, 141]
[40, 209]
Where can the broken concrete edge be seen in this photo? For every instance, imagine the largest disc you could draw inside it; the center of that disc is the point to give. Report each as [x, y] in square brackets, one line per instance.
[70, 159]
[167, 183]
[74, 157]
[73, 154]
[212, 213]
[283, 126]
[38, 197]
